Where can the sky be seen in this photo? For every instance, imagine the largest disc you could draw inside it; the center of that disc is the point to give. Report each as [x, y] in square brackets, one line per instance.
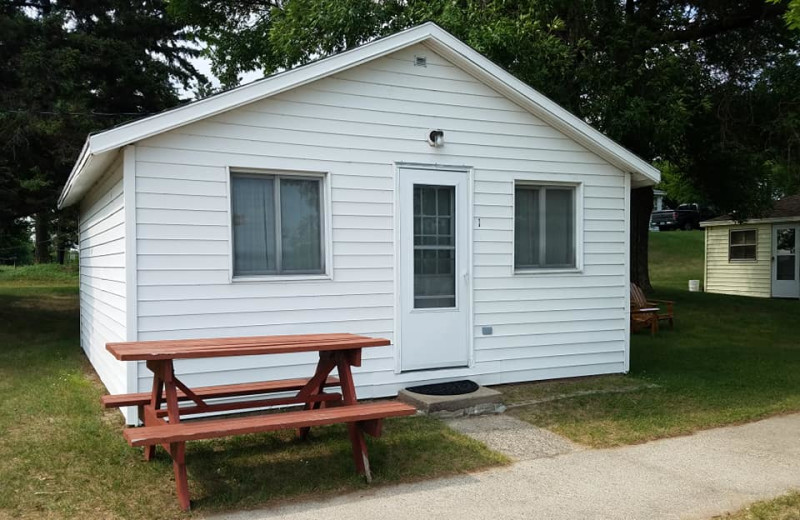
[203, 65]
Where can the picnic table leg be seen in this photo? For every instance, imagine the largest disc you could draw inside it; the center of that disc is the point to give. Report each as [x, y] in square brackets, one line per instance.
[164, 380]
[171, 389]
[315, 386]
[155, 403]
[177, 451]
[360, 456]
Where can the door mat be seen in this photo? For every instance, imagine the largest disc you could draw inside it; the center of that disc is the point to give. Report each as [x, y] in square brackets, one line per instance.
[451, 388]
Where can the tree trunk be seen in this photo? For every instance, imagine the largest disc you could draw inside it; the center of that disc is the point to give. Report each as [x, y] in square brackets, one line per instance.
[59, 242]
[641, 207]
[61, 251]
[41, 251]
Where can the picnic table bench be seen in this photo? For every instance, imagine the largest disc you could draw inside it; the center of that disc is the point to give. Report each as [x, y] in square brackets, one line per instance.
[163, 425]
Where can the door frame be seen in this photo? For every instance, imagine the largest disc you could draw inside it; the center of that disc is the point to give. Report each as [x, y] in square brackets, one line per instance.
[470, 263]
[773, 267]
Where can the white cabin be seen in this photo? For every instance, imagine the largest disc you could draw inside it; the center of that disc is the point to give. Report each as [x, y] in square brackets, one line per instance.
[408, 189]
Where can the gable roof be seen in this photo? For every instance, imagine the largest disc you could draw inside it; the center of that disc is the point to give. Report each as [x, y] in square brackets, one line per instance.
[100, 149]
[783, 210]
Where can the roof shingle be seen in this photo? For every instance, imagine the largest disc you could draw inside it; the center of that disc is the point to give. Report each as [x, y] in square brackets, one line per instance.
[787, 207]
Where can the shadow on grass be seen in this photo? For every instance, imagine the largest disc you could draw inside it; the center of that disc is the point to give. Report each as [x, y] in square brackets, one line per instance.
[63, 456]
[257, 469]
[729, 359]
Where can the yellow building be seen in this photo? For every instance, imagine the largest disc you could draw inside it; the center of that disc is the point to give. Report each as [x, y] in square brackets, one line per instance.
[758, 257]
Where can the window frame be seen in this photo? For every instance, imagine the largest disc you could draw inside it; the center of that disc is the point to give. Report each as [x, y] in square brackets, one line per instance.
[577, 228]
[731, 246]
[325, 225]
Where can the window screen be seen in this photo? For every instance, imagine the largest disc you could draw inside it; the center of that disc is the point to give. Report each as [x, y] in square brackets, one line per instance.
[544, 226]
[743, 244]
[434, 247]
[277, 224]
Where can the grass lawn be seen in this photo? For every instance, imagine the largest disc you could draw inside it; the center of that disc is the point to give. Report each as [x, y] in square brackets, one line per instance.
[62, 456]
[44, 275]
[729, 360]
[786, 507]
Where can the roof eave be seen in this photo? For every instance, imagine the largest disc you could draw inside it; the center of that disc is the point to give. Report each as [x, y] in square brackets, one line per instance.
[83, 159]
[768, 220]
[432, 35]
[251, 92]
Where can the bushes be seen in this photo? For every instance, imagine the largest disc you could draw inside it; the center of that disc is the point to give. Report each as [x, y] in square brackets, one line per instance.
[40, 274]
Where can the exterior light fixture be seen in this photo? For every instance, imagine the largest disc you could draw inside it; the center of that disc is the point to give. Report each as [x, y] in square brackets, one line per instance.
[436, 138]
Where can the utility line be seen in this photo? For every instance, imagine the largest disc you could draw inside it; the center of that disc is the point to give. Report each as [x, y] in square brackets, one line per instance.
[55, 113]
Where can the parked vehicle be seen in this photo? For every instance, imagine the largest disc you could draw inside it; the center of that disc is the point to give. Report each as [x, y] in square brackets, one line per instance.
[686, 217]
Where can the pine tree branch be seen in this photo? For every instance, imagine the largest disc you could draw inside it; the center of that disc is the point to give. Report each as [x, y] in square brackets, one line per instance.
[755, 11]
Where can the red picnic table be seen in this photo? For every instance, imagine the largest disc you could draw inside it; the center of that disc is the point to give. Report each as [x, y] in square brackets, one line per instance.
[164, 425]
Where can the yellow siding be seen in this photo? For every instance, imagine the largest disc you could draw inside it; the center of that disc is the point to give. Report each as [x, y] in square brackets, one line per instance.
[741, 278]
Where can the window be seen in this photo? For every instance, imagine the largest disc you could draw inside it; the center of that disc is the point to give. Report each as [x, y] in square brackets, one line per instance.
[785, 251]
[742, 244]
[544, 227]
[434, 246]
[277, 224]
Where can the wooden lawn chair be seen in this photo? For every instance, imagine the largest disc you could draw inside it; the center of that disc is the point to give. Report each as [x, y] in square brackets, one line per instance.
[640, 302]
[644, 318]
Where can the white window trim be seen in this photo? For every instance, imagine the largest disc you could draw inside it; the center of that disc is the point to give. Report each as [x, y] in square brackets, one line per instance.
[327, 231]
[730, 245]
[538, 271]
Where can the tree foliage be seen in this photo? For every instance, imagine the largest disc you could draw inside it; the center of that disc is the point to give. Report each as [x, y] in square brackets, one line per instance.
[69, 68]
[792, 13]
[689, 82]
[709, 86]
[16, 247]
[677, 187]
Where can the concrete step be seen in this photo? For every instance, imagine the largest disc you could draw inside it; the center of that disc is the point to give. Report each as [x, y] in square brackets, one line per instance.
[482, 401]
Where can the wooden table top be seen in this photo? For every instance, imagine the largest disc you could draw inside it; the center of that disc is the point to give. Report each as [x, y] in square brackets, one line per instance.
[245, 346]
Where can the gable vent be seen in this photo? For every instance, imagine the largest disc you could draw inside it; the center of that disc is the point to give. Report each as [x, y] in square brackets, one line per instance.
[420, 61]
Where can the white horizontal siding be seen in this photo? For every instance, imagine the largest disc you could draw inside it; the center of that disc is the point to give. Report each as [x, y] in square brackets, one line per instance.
[375, 384]
[102, 276]
[742, 278]
[355, 126]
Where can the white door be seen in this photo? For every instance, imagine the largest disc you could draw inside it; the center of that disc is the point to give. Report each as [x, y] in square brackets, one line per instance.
[785, 264]
[434, 269]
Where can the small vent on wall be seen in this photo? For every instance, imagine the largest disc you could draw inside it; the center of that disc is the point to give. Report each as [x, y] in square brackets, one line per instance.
[420, 61]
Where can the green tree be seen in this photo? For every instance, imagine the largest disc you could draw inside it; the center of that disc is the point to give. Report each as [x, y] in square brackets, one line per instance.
[16, 246]
[792, 13]
[70, 68]
[679, 189]
[692, 83]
